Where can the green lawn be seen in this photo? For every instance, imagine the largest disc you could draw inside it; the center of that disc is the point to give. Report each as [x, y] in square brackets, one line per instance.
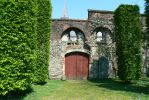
[86, 90]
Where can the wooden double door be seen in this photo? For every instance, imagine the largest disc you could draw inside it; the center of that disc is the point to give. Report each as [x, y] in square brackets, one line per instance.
[76, 65]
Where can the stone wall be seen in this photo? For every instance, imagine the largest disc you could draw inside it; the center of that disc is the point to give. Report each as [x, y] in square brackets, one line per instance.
[55, 68]
[102, 62]
[60, 25]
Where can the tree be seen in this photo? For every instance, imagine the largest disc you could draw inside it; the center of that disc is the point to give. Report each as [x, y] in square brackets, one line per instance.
[43, 40]
[17, 44]
[128, 42]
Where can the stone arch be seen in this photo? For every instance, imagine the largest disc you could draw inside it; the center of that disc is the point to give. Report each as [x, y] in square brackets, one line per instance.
[78, 50]
[78, 32]
[103, 52]
[106, 33]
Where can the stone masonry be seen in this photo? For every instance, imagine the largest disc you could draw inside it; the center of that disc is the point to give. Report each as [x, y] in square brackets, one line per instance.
[102, 57]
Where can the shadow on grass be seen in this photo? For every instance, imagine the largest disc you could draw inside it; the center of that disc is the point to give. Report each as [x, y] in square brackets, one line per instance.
[40, 83]
[141, 86]
[17, 95]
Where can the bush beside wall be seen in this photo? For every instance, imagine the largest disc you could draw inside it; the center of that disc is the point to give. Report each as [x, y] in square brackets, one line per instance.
[17, 44]
[128, 42]
[43, 40]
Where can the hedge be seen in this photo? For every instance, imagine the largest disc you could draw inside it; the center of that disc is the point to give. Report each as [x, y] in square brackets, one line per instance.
[43, 40]
[128, 42]
[17, 44]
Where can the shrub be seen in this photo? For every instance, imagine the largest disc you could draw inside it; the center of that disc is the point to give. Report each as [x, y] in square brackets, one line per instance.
[43, 40]
[17, 44]
[128, 42]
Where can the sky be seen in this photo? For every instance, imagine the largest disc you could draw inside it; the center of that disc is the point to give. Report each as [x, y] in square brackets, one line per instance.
[78, 9]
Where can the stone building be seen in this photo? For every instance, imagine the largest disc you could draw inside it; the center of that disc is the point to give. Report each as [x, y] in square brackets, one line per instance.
[82, 49]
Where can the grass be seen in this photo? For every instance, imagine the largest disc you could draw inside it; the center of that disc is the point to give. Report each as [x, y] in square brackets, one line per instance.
[110, 89]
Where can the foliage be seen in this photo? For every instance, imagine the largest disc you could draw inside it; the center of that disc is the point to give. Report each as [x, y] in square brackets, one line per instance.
[43, 40]
[17, 44]
[128, 41]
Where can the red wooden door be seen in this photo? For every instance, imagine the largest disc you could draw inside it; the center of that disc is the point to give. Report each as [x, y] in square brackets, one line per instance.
[79, 67]
[76, 65]
[86, 66]
[70, 64]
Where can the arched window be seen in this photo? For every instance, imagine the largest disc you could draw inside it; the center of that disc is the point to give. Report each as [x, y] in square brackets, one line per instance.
[99, 36]
[65, 37]
[73, 36]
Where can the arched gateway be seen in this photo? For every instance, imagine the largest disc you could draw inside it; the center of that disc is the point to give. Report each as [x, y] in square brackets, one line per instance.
[82, 49]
